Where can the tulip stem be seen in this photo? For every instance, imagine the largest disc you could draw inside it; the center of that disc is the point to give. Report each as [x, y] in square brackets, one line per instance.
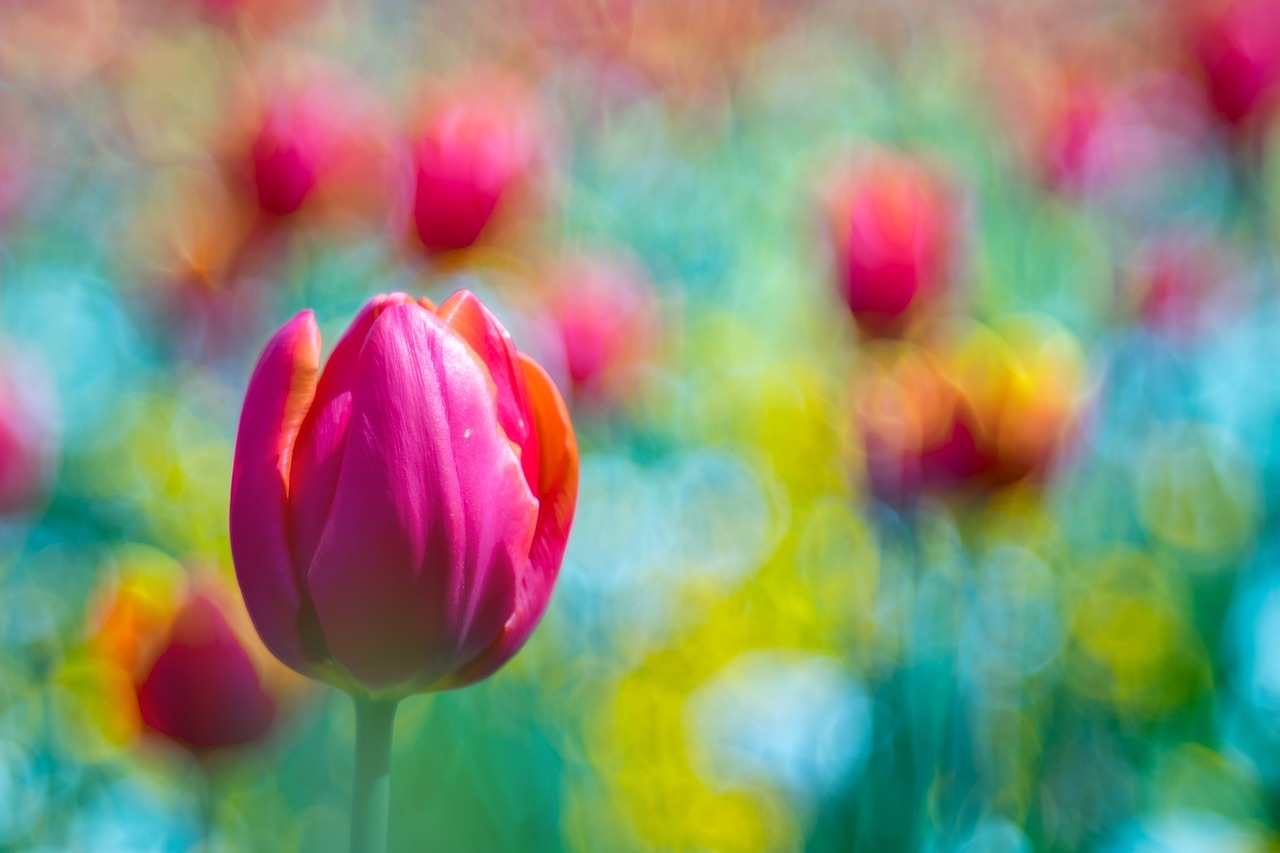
[371, 791]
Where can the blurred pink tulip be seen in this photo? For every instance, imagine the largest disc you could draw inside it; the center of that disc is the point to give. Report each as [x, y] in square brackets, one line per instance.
[606, 315]
[289, 154]
[1118, 145]
[478, 149]
[321, 143]
[1237, 46]
[891, 226]
[398, 522]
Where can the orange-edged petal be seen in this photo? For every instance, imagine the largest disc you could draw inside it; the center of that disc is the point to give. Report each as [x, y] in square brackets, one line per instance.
[557, 493]
[279, 394]
[468, 317]
[322, 440]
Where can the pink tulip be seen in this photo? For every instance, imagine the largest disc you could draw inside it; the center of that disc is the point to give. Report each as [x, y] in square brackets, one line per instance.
[289, 155]
[398, 521]
[606, 314]
[477, 151]
[1237, 46]
[891, 227]
[316, 142]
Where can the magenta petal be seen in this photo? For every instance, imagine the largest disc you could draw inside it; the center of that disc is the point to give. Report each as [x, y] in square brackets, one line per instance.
[467, 316]
[557, 499]
[317, 456]
[279, 394]
[432, 519]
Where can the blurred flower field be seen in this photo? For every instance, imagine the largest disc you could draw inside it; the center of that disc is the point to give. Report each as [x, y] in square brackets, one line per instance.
[923, 361]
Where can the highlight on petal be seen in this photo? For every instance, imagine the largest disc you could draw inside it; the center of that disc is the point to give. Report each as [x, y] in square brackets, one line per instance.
[557, 499]
[279, 394]
[482, 331]
[432, 519]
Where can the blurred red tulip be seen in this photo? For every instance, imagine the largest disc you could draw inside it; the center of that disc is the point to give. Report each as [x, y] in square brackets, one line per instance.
[983, 412]
[200, 678]
[202, 690]
[892, 227]
[398, 522]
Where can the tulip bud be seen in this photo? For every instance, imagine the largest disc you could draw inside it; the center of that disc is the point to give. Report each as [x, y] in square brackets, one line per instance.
[289, 154]
[398, 521]
[476, 152]
[891, 229]
[606, 314]
[1237, 46]
[317, 141]
[199, 676]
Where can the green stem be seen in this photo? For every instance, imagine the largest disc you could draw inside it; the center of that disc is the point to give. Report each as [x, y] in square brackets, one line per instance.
[370, 793]
[208, 809]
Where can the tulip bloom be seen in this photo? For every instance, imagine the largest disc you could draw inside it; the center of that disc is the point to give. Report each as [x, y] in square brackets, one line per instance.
[891, 229]
[398, 522]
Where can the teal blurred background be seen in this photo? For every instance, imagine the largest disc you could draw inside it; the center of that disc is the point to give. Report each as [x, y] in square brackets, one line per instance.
[760, 640]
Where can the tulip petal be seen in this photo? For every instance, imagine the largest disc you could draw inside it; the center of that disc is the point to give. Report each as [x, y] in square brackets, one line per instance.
[467, 316]
[432, 519]
[278, 396]
[557, 499]
[317, 457]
